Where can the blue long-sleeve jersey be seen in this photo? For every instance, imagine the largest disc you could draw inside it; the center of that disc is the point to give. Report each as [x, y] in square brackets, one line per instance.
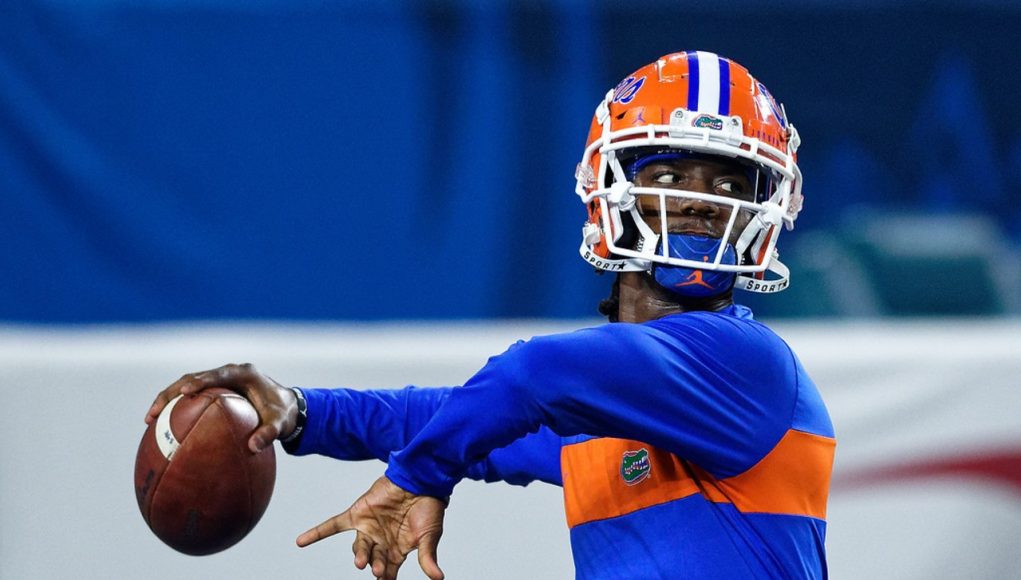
[692, 446]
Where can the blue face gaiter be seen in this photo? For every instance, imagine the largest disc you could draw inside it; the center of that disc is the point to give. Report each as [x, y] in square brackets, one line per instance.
[692, 281]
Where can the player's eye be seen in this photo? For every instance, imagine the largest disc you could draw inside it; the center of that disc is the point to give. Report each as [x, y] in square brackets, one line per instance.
[666, 178]
[730, 187]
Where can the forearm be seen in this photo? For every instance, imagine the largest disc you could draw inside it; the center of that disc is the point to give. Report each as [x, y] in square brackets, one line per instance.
[535, 457]
[494, 409]
[356, 425]
[476, 420]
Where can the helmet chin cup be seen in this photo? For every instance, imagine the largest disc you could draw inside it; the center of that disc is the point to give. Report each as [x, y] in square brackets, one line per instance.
[695, 282]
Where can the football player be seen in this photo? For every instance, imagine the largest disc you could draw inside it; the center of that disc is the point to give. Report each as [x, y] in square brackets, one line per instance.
[688, 438]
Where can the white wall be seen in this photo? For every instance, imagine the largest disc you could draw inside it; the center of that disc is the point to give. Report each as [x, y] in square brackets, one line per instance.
[74, 399]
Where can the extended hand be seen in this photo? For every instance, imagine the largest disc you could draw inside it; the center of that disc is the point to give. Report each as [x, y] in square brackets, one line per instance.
[276, 405]
[390, 522]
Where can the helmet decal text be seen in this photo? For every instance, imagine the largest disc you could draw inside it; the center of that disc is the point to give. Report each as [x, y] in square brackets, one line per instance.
[767, 105]
[627, 90]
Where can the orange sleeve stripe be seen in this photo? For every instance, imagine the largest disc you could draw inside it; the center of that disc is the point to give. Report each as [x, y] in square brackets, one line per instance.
[792, 479]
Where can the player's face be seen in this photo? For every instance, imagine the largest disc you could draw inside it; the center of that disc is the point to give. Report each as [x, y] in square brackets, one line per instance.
[691, 216]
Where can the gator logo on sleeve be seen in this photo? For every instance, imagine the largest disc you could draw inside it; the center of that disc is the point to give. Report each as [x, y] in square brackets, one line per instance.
[635, 466]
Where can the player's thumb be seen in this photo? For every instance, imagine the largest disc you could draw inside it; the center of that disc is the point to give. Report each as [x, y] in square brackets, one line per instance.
[263, 437]
[427, 557]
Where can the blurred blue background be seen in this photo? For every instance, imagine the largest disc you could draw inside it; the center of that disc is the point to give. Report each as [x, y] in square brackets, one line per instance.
[347, 160]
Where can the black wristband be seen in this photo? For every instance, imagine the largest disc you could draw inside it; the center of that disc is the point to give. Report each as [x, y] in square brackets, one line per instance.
[292, 441]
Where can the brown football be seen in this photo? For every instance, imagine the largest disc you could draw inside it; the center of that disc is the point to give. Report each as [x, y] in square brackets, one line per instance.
[199, 487]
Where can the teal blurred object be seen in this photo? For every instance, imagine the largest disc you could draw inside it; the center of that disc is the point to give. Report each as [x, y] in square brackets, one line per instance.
[826, 281]
[899, 265]
[949, 264]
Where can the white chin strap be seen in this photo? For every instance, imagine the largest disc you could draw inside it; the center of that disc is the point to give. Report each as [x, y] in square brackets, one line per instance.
[756, 235]
[613, 264]
[751, 284]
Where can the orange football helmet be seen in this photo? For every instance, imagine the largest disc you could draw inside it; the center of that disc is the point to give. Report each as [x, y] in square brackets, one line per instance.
[703, 104]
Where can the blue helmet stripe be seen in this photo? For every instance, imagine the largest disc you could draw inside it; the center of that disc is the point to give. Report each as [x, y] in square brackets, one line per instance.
[692, 81]
[724, 86]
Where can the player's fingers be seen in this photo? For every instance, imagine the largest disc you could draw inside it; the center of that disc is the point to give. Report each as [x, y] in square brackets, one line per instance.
[187, 384]
[427, 557]
[266, 395]
[157, 407]
[272, 415]
[229, 376]
[379, 562]
[335, 525]
[163, 398]
[362, 548]
[194, 382]
[395, 561]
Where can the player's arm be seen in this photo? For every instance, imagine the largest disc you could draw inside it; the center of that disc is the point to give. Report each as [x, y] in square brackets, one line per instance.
[534, 457]
[721, 396]
[340, 423]
[356, 425]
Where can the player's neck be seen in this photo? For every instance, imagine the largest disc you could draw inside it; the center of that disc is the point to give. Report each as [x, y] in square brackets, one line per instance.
[641, 300]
